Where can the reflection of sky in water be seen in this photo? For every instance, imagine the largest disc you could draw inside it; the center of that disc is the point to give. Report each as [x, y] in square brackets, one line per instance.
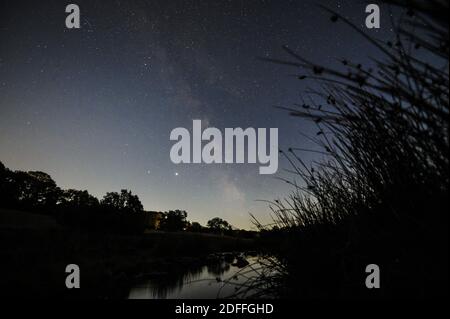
[196, 283]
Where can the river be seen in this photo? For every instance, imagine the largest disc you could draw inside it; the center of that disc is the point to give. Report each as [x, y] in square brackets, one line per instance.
[222, 276]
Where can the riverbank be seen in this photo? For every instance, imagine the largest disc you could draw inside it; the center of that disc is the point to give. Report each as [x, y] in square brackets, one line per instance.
[34, 258]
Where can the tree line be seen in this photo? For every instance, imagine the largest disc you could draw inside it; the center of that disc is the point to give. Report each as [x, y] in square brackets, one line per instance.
[120, 212]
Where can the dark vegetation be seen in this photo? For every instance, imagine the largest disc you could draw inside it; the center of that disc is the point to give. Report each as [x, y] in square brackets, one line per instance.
[44, 228]
[117, 212]
[379, 192]
[38, 193]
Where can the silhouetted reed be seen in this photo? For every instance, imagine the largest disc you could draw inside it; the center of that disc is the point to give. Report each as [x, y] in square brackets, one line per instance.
[378, 191]
[261, 278]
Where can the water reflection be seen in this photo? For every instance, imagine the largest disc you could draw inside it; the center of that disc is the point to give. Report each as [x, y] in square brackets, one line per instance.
[219, 277]
[218, 269]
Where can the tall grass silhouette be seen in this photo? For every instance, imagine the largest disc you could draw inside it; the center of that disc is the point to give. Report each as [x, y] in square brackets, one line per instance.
[378, 193]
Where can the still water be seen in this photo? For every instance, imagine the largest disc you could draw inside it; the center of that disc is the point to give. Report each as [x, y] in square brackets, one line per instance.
[224, 276]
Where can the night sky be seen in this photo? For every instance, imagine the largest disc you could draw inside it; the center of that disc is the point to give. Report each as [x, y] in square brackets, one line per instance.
[94, 107]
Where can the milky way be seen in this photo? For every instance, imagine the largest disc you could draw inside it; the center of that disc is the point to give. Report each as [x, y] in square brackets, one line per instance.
[94, 107]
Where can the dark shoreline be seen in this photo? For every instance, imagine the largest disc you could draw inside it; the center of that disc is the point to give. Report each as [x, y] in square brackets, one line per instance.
[34, 260]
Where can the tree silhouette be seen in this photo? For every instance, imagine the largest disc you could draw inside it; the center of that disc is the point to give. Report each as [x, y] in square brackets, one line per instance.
[31, 190]
[195, 227]
[3, 172]
[37, 192]
[174, 220]
[218, 225]
[125, 201]
[77, 199]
